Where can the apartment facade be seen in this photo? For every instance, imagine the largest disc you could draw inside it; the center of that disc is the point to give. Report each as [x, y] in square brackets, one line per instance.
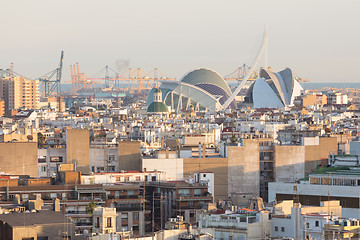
[19, 92]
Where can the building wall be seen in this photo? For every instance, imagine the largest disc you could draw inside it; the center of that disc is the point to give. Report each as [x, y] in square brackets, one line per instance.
[317, 154]
[77, 148]
[244, 168]
[2, 107]
[20, 92]
[51, 231]
[289, 163]
[130, 155]
[104, 159]
[48, 163]
[313, 195]
[19, 158]
[219, 166]
[172, 166]
[355, 148]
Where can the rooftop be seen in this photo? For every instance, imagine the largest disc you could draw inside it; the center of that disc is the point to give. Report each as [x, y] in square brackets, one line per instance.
[33, 218]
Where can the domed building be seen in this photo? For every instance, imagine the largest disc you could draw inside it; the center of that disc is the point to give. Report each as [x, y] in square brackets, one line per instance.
[157, 106]
[273, 90]
[203, 88]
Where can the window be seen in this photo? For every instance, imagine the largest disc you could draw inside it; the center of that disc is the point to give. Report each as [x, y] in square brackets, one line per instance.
[276, 228]
[131, 192]
[136, 216]
[42, 159]
[25, 197]
[153, 178]
[56, 159]
[111, 158]
[184, 192]
[124, 216]
[43, 168]
[138, 178]
[108, 222]
[191, 204]
[316, 223]
[97, 225]
[100, 169]
[283, 229]
[197, 192]
[111, 168]
[307, 225]
[42, 238]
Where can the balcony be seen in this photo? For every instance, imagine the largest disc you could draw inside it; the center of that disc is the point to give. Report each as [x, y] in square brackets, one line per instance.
[83, 224]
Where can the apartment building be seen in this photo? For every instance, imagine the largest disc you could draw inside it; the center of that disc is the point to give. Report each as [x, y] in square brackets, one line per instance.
[334, 184]
[19, 92]
[2, 107]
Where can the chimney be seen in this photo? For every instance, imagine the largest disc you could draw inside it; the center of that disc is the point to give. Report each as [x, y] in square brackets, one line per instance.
[200, 150]
[203, 151]
[17, 199]
[56, 205]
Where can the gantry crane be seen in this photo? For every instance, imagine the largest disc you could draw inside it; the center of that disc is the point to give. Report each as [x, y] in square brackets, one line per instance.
[240, 73]
[78, 79]
[133, 78]
[52, 80]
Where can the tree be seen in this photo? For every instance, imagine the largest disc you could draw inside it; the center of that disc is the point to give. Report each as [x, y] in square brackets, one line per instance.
[41, 140]
[90, 208]
[233, 139]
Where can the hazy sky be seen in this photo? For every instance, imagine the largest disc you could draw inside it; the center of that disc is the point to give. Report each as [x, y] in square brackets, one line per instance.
[317, 39]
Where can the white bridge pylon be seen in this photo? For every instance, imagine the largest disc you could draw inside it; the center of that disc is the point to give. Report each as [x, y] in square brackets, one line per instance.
[253, 66]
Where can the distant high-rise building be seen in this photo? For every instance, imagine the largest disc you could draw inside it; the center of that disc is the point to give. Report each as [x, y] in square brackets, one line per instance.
[2, 107]
[19, 92]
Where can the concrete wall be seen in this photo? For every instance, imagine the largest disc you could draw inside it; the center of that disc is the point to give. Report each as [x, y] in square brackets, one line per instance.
[19, 158]
[289, 163]
[219, 166]
[355, 148]
[312, 194]
[77, 148]
[172, 166]
[99, 159]
[129, 155]
[51, 231]
[316, 154]
[244, 168]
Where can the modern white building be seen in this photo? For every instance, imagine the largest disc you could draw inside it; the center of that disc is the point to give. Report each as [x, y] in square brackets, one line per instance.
[273, 90]
[342, 185]
[293, 221]
[203, 88]
[241, 225]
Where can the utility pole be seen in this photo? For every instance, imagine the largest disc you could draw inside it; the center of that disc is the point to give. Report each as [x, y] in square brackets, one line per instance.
[153, 215]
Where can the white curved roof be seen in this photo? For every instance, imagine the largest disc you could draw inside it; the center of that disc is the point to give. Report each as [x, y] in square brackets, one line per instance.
[264, 96]
[280, 89]
[196, 94]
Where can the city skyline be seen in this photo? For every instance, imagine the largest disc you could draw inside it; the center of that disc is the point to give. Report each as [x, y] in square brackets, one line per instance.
[312, 38]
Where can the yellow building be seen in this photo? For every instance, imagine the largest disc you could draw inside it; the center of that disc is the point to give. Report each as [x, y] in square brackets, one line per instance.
[19, 92]
[2, 108]
[317, 99]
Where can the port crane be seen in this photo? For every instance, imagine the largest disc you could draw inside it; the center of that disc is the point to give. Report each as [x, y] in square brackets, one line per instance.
[52, 80]
[134, 80]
